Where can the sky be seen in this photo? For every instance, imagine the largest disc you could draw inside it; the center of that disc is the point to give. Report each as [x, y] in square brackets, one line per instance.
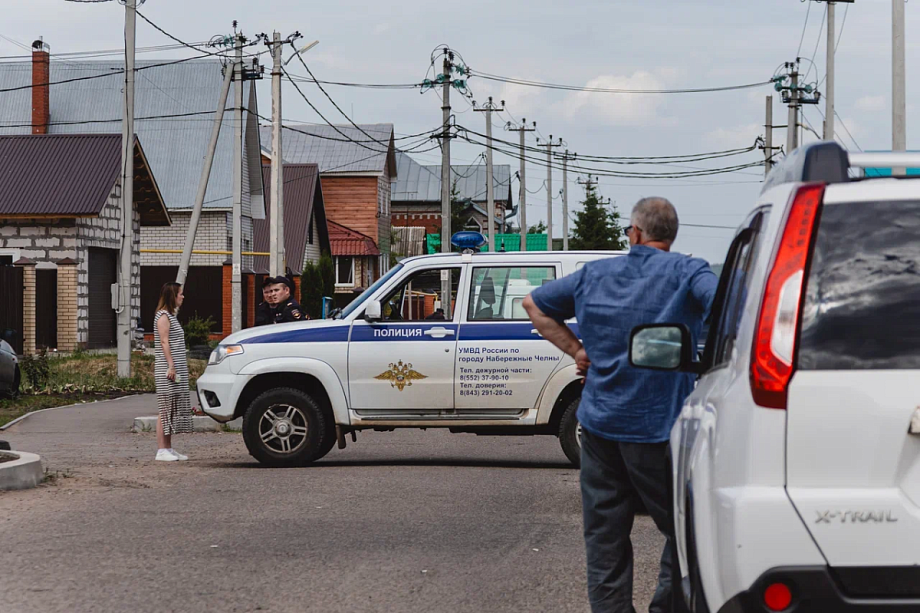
[654, 44]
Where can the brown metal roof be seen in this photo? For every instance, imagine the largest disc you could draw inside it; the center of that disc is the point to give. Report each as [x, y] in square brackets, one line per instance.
[346, 241]
[303, 198]
[70, 175]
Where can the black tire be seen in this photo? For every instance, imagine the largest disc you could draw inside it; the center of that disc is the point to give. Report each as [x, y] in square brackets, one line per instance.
[568, 433]
[13, 392]
[299, 434]
[329, 441]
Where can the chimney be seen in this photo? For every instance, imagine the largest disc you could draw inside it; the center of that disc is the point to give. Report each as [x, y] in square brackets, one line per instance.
[41, 109]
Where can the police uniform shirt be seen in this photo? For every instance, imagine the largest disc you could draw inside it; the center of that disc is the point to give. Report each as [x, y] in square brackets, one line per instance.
[264, 314]
[287, 311]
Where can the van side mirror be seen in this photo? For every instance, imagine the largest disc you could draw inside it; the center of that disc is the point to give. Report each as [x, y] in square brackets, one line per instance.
[666, 347]
[372, 311]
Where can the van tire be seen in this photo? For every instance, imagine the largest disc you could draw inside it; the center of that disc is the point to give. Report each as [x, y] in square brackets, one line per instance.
[568, 433]
[298, 412]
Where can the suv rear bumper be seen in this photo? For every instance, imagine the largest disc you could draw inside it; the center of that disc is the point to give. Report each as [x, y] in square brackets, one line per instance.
[821, 589]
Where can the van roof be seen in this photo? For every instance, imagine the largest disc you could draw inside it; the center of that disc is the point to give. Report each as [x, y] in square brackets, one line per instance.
[517, 255]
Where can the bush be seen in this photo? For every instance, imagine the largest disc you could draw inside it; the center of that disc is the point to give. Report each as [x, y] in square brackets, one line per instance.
[327, 272]
[198, 330]
[37, 369]
[311, 290]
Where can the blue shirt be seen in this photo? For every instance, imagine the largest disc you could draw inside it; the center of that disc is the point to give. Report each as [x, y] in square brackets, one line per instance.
[610, 297]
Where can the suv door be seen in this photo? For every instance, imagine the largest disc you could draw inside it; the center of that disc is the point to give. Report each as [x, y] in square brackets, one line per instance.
[852, 465]
[406, 360]
[502, 363]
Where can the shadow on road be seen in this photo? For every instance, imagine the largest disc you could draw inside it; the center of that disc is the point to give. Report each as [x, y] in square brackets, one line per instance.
[412, 462]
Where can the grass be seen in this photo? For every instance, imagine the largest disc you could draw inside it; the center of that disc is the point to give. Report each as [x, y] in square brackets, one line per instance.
[87, 378]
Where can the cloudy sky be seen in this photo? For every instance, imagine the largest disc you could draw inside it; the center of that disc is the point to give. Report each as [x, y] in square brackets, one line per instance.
[654, 44]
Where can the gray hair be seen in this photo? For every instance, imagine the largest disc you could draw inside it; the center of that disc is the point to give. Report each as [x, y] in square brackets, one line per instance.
[657, 218]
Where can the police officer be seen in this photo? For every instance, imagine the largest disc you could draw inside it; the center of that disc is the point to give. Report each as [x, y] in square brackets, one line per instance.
[286, 307]
[265, 314]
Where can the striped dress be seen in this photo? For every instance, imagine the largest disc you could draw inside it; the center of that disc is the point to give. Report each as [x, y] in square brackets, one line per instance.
[173, 401]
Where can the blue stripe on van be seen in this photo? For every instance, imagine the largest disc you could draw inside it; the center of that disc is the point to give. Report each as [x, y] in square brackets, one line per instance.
[379, 333]
[516, 331]
[307, 334]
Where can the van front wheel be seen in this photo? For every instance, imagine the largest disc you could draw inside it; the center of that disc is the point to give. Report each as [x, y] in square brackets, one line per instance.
[285, 427]
[570, 433]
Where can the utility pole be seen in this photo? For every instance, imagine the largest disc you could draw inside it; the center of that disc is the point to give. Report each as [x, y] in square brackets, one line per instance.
[792, 124]
[522, 201]
[768, 139]
[898, 83]
[445, 180]
[549, 189]
[276, 214]
[126, 291]
[237, 239]
[829, 89]
[490, 186]
[565, 197]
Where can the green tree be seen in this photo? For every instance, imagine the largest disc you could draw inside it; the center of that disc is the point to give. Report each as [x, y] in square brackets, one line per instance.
[311, 290]
[540, 228]
[457, 206]
[597, 227]
[327, 273]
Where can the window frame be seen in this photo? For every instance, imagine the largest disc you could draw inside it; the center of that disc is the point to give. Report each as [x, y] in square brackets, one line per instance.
[338, 261]
[384, 298]
[468, 316]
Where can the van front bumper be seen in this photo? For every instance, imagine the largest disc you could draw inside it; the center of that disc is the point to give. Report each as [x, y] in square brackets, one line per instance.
[218, 392]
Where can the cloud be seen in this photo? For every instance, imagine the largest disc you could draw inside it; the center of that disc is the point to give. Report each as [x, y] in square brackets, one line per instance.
[736, 137]
[872, 103]
[619, 109]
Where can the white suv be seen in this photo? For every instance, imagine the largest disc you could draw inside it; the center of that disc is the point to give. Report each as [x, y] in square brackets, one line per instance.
[391, 360]
[797, 458]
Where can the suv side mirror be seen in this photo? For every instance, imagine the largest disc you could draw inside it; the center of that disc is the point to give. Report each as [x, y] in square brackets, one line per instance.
[662, 347]
[372, 311]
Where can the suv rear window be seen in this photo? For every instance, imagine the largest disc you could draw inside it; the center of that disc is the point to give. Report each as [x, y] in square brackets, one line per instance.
[862, 296]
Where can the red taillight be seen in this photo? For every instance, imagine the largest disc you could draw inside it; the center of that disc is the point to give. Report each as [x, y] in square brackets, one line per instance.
[777, 597]
[773, 357]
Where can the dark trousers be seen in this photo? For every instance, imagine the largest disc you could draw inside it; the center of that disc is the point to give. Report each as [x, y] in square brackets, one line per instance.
[614, 478]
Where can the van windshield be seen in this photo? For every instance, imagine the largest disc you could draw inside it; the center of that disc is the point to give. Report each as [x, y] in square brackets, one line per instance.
[354, 304]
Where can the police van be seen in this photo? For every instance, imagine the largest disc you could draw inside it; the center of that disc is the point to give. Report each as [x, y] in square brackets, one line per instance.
[401, 355]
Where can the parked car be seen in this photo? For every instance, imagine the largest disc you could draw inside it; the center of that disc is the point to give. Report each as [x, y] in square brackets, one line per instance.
[391, 360]
[796, 460]
[10, 376]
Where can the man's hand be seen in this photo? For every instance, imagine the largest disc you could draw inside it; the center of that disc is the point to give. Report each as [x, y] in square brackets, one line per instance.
[582, 363]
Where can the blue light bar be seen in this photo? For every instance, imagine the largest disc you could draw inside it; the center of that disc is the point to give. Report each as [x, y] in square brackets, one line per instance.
[467, 240]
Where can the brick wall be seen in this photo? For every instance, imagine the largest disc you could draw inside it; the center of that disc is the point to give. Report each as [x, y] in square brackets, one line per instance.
[212, 235]
[67, 305]
[28, 309]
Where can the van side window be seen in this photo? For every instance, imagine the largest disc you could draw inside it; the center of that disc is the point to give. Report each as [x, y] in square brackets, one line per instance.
[418, 297]
[497, 293]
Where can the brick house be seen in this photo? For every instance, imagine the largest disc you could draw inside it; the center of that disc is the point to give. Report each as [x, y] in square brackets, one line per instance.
[416, 195]
[355, 175]
[173, 105]
[61, 223]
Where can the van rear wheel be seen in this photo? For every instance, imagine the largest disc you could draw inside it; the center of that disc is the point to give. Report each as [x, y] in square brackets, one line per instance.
[285, 427]
[570, 433]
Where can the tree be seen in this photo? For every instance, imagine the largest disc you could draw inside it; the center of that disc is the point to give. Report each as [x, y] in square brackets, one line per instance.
[311, 290]
[540, 228]
[596, 227]
[327, 273]
[457, 206]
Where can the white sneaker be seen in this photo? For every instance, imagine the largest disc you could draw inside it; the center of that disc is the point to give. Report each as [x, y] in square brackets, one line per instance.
[164, 455]
[179, 456]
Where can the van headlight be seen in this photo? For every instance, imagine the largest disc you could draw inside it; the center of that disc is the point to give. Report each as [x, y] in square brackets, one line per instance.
[223, 352]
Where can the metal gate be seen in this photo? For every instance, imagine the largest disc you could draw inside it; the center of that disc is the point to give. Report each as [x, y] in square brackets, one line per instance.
[102, 321]
[46, 308]
[11, 303]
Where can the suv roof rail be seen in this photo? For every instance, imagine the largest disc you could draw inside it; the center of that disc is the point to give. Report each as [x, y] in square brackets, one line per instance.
[823, 161]
[885, 159]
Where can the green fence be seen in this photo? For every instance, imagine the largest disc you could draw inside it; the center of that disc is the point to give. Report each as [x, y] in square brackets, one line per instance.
[511, 242]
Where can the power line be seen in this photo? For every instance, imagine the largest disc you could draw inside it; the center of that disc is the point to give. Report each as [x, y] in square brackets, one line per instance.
[817, 42]
[839, 36]
[611, 90]
[804, 29]
[170, 36]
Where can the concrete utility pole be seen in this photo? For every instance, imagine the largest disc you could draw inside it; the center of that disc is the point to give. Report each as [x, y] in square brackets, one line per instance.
[237, 240]
[126, 291]
[565, 197]
[276, 224]
[522, 200]
[490, 185]
[445, 180]
[792, 125]
[549, 189]
[205, 176]
[829, 89]
[898, 83]
[768, 139]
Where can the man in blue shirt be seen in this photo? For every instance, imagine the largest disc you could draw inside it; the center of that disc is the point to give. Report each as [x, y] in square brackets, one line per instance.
[626, 414]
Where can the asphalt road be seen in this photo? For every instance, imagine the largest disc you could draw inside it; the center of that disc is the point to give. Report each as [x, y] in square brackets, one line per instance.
[402, 521]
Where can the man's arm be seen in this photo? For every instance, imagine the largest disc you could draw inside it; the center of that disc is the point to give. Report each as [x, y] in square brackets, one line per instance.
[558, 334]
[703, 286]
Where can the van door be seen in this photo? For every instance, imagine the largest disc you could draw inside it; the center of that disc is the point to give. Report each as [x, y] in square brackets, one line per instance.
[406, 360]
[853, 467]
[502, 363]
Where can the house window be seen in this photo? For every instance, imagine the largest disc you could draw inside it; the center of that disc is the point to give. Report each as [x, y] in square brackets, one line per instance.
[345, 271]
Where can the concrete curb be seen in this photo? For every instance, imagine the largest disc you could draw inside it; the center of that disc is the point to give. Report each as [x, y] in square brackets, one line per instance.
[23, 473]
[66, 406]
[199, 424]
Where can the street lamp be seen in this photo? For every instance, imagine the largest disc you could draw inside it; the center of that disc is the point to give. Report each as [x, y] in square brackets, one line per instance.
[301, 50]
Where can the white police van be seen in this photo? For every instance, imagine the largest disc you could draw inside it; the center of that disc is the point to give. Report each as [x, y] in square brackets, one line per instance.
[391, 360]
[797, 457]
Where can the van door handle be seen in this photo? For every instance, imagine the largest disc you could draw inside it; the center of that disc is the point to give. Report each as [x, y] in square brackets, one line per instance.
[439, 332]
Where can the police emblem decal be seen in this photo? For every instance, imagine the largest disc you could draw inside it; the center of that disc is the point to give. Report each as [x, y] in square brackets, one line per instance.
[400, 375]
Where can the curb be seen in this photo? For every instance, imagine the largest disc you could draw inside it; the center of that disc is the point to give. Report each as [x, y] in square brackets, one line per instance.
[199, 424]
[66, 406]
[23, 473]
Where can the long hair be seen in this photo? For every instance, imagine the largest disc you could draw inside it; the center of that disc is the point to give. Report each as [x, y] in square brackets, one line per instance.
[168, 296]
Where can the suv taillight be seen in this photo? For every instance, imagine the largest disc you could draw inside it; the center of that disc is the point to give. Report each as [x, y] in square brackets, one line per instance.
[773, 359]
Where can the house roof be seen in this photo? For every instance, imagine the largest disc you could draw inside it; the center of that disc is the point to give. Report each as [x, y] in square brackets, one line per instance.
[175, 145]
[334, 153]
[303, 198]
[422, 183]
[71, 176]
[346, 241]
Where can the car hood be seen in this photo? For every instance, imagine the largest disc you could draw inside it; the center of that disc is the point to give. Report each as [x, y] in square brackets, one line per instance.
[266, 333]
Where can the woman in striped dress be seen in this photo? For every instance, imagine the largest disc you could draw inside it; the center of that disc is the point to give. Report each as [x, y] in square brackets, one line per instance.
[171, 373]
